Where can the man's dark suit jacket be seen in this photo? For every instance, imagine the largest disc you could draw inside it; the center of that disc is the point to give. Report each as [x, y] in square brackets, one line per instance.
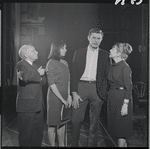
[30, 96]
[78, 67]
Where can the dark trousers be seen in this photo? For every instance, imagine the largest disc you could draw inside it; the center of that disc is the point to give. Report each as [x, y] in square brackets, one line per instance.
[88, 93]
[30, 126]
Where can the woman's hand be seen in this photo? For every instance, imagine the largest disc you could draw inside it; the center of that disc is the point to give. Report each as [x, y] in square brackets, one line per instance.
[124, 109]
[69, 101]
[65, 102]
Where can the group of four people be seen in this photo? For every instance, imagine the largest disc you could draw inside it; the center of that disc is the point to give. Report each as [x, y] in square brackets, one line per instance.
[95, 76]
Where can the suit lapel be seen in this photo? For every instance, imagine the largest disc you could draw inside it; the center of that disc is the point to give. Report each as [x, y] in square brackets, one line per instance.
[99, 54]
[98, 59]
[33, 66]
[83, 58]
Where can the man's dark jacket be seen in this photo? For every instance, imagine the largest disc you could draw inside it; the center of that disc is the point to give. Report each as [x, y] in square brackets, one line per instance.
[78, 67]
[30, 95]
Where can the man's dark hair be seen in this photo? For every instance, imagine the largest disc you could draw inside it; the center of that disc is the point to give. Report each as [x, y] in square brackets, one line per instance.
[96, 30]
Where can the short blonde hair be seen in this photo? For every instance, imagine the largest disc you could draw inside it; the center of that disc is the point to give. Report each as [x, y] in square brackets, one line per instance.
[25, 50]
[124, 48]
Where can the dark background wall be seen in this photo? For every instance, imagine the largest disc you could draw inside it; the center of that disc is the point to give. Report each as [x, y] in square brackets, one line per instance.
[71, 23]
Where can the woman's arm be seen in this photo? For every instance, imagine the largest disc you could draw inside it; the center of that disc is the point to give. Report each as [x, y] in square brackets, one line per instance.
[128, 88]
[69, 100]
[127, 80]
[57, 93]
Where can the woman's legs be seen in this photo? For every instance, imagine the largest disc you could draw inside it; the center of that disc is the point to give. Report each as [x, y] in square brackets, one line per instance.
[61, 135]
[122, 142]
[51, 135]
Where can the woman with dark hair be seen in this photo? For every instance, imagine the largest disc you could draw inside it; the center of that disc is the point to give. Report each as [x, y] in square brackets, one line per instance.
[120, 94]
[58, 92]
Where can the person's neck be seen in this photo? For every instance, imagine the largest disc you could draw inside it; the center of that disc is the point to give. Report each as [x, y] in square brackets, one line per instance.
[93, 48]
[117, 59]
[29, 61]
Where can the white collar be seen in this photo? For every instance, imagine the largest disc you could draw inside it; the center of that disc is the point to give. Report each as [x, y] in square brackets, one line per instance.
[31, 63]
[89, 48]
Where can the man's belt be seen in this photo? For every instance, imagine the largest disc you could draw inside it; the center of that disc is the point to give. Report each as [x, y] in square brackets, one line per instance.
[117, 87]
[86, 81]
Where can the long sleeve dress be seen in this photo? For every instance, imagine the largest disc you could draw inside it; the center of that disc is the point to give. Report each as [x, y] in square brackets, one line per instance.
[119, 76]
[57, 73]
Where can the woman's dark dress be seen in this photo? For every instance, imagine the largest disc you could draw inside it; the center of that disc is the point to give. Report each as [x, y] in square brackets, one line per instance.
[119, 76]
[57, 73]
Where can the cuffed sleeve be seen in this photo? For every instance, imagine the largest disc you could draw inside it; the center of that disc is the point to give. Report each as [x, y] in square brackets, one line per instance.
[43, 80]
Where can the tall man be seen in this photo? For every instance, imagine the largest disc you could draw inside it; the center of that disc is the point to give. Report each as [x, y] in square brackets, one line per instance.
[29, 102]
[89, 84]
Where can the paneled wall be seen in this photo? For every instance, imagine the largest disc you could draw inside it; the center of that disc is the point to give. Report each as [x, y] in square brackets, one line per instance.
[8, 41]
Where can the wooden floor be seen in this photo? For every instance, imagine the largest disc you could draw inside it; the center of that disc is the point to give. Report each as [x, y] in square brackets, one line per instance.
[9, 129]
[10, 134]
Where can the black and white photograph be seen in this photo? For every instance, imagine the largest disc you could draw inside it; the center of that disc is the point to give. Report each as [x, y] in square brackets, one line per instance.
[75, 74]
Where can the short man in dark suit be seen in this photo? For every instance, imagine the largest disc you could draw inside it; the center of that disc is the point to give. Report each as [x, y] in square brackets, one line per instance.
[29, 103]
[89, 84]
